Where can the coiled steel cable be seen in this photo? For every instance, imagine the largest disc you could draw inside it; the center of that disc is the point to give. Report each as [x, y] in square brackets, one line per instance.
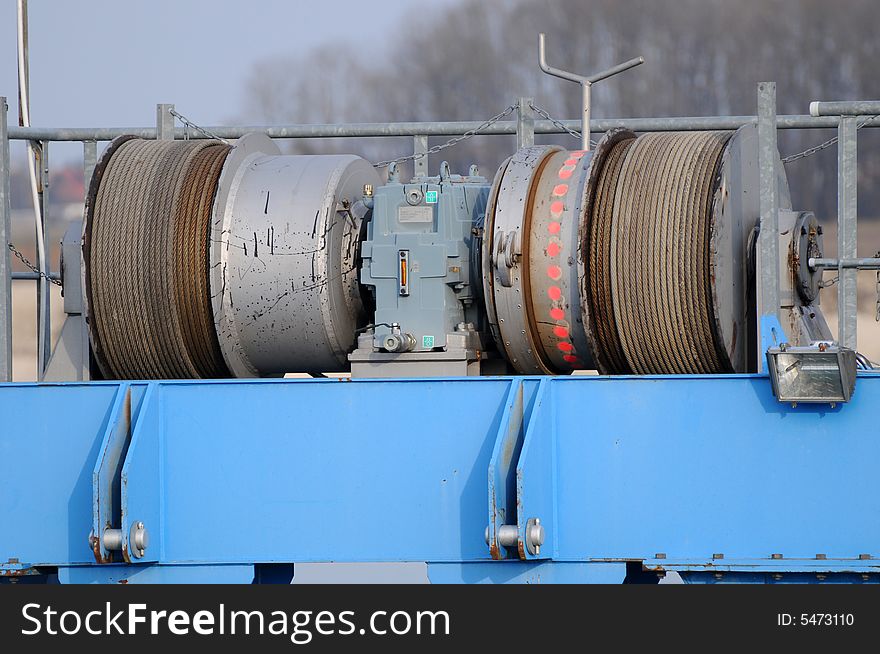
[650, 291]
[146, 257]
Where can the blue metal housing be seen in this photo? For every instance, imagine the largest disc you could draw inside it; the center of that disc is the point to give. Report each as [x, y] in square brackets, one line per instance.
[710, 476]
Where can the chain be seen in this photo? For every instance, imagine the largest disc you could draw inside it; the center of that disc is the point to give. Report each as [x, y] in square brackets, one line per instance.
[31, 266]
[188, 124]
[821, 146]
[453, 141]
[558, 123]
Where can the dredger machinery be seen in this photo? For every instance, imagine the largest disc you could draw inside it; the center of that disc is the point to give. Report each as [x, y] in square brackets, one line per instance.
[670, 264]
[206, 260]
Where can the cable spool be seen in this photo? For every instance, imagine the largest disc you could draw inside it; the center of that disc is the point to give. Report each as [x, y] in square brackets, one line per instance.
[284, 253]
[145, 259]
[655, 231]
[651, 219]
[206, 261]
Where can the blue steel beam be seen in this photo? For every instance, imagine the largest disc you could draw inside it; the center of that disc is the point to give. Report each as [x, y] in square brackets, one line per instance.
[652, 469]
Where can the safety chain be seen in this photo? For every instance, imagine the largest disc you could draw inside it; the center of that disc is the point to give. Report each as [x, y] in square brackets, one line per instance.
[188, 124]
[31, 266]
[434, 149]
[558, 123]
[821, 146]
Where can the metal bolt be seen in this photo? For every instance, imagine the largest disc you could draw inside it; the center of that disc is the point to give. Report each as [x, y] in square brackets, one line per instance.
[534, 536]
[140, 538]
[112, 539]
[777, 577]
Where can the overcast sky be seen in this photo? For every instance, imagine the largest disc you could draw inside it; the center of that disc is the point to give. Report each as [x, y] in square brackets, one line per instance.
[108, 62]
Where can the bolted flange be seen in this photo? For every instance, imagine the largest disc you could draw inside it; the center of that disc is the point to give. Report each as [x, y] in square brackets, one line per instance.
[534, 536]
[139, 539]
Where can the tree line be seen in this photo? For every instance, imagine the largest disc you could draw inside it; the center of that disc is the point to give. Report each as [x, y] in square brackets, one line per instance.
[703, 57]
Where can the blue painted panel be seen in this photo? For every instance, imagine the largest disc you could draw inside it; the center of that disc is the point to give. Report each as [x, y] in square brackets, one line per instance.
[692, 466]
[324, 470]
[49, 439]
[508, 440]
[536, 473]
[388, 470]
[141, 479]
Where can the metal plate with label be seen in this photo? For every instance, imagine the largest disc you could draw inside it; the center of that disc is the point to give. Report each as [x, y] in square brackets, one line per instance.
[415, 214]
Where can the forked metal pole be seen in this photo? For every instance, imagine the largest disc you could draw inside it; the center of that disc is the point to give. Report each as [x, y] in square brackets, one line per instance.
[586, 82]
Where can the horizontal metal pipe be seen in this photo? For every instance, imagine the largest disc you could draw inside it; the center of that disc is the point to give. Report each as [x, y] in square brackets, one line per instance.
[342, 130]
[867, 263]
[857, 108]
[34, 276]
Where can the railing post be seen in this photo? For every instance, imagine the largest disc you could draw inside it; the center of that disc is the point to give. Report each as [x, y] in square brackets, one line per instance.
[44, 295]
[164, 122]
[768, 238]
[5, 258]
[847, 228]
[90, 160]
[420, 164]
[525, 123]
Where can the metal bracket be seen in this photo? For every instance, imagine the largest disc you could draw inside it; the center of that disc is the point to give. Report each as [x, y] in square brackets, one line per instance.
[536, 479]
[106, 534]
[521, 475]
[502, 503]
[141, 481]
[508, 251]
[585, 81]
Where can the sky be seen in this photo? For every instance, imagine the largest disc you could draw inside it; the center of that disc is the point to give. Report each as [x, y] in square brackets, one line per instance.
[108, 63]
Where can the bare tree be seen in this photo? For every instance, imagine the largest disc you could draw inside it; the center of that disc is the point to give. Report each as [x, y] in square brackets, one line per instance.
[704, 57]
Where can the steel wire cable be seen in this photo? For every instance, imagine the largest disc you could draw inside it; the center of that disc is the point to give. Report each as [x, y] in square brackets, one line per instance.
[147, 260]
[650, 283]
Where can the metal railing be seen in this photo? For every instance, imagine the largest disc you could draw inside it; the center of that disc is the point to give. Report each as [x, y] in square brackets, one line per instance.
[524, 126]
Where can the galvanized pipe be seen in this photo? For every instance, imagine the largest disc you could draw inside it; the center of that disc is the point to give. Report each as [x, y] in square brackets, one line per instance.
[451, 128]
[34, 276]
[864, 263]
[44, 299]
[847, 213]
[857, 108]
[768, 239]
[525, 123]
[5, 258]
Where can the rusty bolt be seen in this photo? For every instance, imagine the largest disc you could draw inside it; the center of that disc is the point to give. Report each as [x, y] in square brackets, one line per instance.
[864, 557]
[660, 555]
[718, 556]
[821, 557]
[776, 556]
